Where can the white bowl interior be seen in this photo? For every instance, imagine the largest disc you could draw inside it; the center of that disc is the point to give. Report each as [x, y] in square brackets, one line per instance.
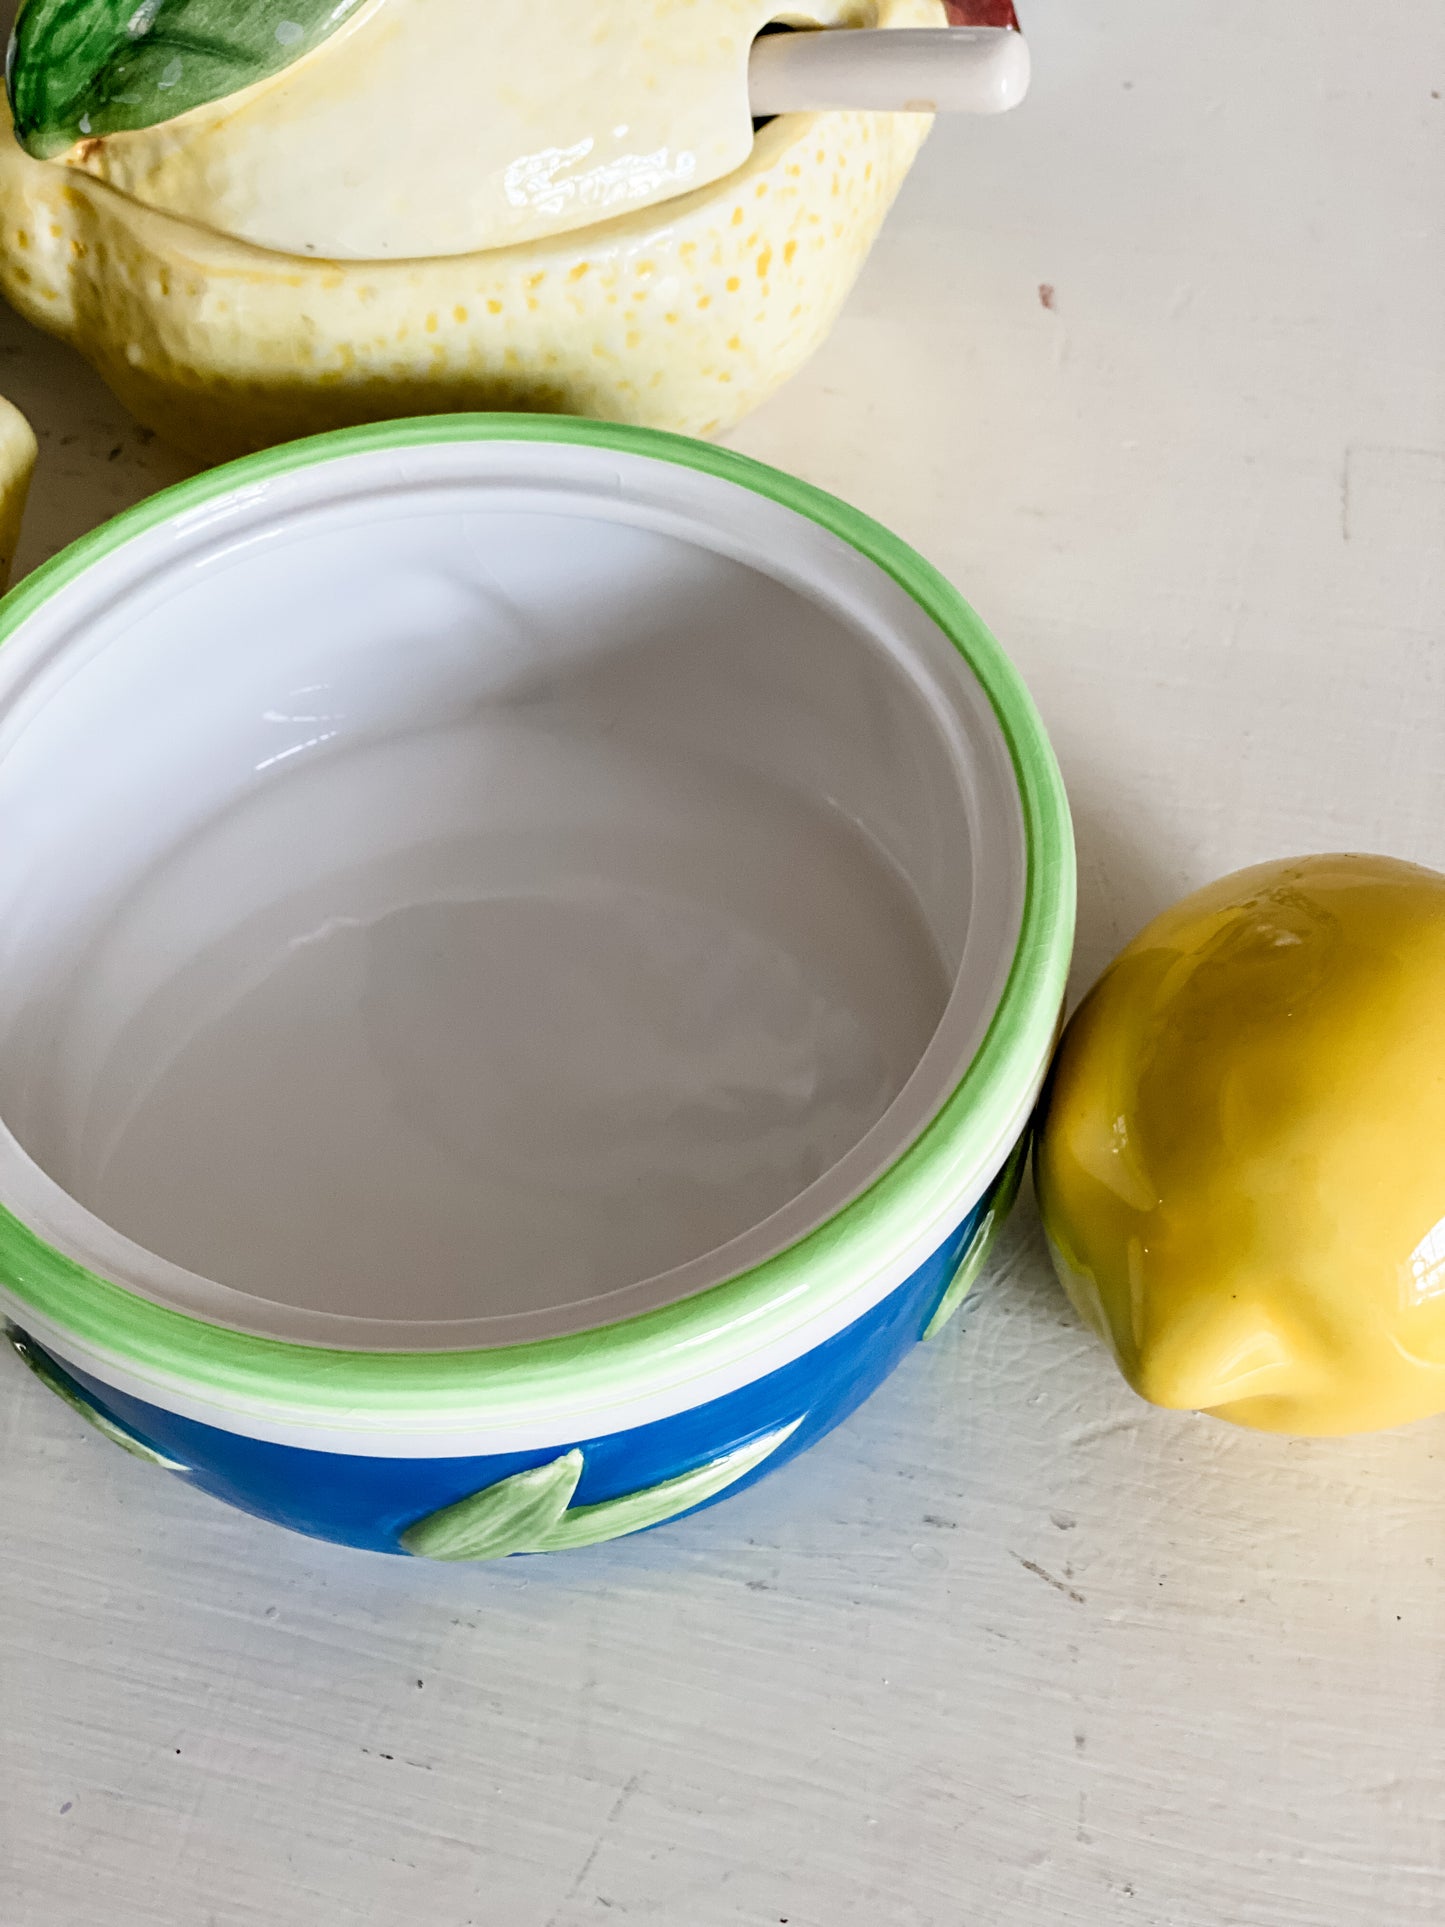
[459, 896]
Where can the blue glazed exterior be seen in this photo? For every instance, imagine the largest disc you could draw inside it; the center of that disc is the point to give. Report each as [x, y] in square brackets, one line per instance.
[369, 1502]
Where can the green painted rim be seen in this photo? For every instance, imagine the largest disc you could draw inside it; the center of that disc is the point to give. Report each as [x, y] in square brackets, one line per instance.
[660, 1350]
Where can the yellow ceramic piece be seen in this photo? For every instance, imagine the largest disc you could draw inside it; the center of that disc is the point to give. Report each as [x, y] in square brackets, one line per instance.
[434, 127]
[1241, 1163]
[17, 463]
[684, 315]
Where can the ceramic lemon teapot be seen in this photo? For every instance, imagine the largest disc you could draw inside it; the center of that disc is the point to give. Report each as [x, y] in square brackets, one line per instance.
[264, 221]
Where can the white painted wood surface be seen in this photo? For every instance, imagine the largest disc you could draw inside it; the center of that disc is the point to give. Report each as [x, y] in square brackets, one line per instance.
[1154, 369]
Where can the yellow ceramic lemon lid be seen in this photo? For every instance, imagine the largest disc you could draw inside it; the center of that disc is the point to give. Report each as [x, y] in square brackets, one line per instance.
[1242, 1157]
[401, 129]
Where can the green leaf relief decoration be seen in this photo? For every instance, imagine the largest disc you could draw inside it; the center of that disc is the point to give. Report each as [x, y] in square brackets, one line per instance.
[82, 68]
[530, 1511]
[975, 1257]
[506, 1517]
[63, 1387]
[589, 1525]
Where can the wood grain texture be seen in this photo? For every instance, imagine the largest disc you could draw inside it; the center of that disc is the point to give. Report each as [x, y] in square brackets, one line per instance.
[1010, 1647]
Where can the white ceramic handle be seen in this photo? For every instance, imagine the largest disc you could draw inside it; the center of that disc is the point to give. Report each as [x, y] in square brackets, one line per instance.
[918, 70]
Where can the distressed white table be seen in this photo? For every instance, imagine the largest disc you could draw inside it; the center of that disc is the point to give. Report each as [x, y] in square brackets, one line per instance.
[1156, 371]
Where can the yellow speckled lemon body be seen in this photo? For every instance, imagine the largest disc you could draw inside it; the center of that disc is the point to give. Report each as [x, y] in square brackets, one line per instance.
[1241, 1161]
[17, 464]
[684, 315]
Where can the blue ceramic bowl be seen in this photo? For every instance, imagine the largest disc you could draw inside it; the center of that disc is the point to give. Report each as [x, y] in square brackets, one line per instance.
[530, 957]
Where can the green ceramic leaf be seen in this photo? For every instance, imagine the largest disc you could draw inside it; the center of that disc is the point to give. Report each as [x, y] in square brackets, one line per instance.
[1005, 1190]
[510, 1516]
[83, 67]
[56, 1381]
[528, 1512]
[589, 1525]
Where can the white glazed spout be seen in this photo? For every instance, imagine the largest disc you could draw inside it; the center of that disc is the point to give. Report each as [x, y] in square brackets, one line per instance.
[922, 70]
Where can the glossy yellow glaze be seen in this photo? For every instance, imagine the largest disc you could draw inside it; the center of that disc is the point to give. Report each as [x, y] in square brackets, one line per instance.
[1241, 1163]
[17, 463]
